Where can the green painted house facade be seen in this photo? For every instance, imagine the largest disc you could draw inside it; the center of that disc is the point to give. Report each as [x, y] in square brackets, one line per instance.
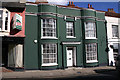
[59, 37]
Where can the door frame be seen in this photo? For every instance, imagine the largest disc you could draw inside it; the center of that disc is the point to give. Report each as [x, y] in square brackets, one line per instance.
[73, 55]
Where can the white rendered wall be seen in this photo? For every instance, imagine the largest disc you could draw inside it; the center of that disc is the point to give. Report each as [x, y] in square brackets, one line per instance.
[112, 21]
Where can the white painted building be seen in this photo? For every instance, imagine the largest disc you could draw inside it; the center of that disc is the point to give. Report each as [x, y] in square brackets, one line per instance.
[113, 34]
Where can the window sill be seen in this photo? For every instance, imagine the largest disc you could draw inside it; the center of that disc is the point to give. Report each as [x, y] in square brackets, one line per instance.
[49, 38]
[71, 37]
[50, 64]
[5, 31]
[90, 38]
[115, 38]
[92, 61]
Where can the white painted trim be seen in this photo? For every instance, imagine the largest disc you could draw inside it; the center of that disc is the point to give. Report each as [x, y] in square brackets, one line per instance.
[61, 15]
[42, 53]
[50, 64]
[91, 61]
[8, 21]
[30, 14]
[70, 37]
[69, 8]
[71, 42]
[89, 17]
[90, 38]
[100, 20]
[3, 21]
[74, 52]
[41, 28]
[89, 9]
[31, 4]
[100, 12]
[47, 4]
[49, 38]
[65, 18]
[115, 37]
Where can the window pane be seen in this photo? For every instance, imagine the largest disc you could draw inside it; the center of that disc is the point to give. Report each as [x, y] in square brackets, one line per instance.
[49, 53]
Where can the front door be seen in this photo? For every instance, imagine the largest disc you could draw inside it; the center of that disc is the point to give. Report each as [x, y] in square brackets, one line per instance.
[69, 58]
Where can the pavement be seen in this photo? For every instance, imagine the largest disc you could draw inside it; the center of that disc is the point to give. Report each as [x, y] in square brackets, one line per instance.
[60, 73]
[6, 70]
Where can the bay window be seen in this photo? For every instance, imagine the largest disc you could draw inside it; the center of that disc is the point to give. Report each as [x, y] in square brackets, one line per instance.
[49, 54]
[48, 28]
[90, 30]
[91, 52]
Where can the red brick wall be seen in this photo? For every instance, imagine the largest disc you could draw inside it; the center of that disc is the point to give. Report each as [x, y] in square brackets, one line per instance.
[16, 32]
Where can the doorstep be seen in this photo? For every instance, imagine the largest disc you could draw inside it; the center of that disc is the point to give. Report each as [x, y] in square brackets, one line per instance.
[4, 69]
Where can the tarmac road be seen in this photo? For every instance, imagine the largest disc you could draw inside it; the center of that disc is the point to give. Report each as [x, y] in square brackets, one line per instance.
[96, 73]
[100, 75]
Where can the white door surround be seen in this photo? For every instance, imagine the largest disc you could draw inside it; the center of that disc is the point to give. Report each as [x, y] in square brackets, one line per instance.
[71, 56]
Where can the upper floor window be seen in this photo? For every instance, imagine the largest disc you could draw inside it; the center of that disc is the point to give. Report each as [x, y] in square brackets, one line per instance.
[48, 28]
[69, 29]
[90, 30]
[4, 20]
[114, 31]
[91, 52]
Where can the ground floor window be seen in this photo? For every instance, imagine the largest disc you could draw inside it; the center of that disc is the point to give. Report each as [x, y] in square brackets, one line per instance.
[49, 54]
[115, 50]
[91, 52]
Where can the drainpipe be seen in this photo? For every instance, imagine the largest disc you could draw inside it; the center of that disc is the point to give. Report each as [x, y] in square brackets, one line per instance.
[107, 49]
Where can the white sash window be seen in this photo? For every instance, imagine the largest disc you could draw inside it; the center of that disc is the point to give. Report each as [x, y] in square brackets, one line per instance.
[115, 31]
[4, 20]
[91, 52]
[90, 30]
[69, 30]
[49, 54]
[48, 28]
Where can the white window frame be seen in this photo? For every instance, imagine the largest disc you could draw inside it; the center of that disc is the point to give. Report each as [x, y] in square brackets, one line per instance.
[68, 36]
[49, 64]
[88, 52]
[117, 31]
[3, 20]
[48, 37]
[86, 37]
